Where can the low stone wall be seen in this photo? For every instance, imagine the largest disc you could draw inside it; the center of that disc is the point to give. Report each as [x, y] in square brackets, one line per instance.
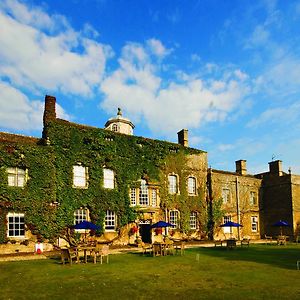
[18, 248]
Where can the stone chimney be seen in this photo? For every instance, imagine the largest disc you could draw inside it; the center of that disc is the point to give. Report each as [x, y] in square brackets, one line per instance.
[49, 114]
[50, 109]
[183, 137]
[275, 167]
[241, 167]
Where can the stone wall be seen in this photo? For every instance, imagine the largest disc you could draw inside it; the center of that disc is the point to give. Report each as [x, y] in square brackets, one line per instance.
[238, 206]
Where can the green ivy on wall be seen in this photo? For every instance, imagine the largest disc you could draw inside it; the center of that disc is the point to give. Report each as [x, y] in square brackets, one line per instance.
[50, 177]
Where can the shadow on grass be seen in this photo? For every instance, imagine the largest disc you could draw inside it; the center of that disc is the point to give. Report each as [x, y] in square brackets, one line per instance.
[280, 256]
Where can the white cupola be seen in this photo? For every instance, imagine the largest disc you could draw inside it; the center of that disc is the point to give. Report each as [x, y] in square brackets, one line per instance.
[120, 124]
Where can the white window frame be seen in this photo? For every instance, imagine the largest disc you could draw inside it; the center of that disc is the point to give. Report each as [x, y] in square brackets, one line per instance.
[192, 186]
[108, 178]
[80, 215]
[226, 195]
[173, 184]
[253, 198]
[154, 197]
[174, 218]
[227, 229]
[110, 221]
[254, 223]
[144, 193]
[193, 220]
[16, 176]
[16, 226]
[80, 176]
[133, 196]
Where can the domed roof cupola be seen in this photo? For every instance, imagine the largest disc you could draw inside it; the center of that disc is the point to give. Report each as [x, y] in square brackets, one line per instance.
[120, 124]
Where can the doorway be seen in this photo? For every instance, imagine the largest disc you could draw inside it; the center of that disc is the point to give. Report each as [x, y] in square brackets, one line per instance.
[145, 233]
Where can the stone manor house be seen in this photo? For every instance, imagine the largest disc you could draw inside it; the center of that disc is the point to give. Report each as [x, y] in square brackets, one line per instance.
[125, 183]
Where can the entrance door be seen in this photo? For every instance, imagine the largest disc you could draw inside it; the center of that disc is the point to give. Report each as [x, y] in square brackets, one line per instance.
[145, 232]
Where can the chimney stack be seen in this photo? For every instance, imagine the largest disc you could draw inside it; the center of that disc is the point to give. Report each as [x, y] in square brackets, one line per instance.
[183, 137]
[50, 109]
[275, 167]
[241, 167]
[49, 114]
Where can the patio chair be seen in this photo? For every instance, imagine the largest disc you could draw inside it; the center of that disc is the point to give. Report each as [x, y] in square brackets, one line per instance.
[281, 240]
[68, 255]
[179, 247]
[245, 242]
[268, 239]
[146, 248]
[101, 251]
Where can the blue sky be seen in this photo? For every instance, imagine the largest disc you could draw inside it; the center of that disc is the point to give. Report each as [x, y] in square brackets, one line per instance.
[229, 71]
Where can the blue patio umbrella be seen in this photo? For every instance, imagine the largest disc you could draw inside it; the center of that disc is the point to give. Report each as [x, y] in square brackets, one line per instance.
[281, 224]
[161, 224]
[86, 225]
[231, 224]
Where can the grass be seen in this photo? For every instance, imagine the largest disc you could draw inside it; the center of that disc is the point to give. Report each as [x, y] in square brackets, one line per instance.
[257, 272]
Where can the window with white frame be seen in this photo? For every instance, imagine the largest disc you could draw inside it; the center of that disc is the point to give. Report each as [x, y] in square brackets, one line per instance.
[193, 220]
[110, 220]
[154, 197]
[108, 179]
[133, 196]
[192, 185]
[226, 195]
[15, 225]
[172, 184]
[16, 177]
[80, 215]
[80, 176]
[143, 195]
[253, 198]
[174, 217]
[227, 229]
[254, 224]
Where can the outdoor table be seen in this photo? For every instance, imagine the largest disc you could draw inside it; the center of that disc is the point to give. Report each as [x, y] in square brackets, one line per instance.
[85, 249]
[231, 243]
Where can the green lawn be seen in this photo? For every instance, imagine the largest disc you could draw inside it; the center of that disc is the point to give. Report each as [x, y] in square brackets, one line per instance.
[257, 272]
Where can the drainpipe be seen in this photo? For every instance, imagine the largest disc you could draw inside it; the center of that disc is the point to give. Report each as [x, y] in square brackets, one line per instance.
[238, 205]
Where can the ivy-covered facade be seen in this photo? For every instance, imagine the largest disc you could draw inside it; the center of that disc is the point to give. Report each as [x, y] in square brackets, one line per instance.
[125, 183]
[63, 177]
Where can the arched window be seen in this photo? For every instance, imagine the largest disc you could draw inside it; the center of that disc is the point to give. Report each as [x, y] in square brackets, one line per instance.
[115, 128]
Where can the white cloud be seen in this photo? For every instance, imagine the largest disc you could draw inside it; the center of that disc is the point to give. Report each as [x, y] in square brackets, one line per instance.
[18, 112]
[38, 51]
[137, 87]
[158, 48]
[280, 115]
